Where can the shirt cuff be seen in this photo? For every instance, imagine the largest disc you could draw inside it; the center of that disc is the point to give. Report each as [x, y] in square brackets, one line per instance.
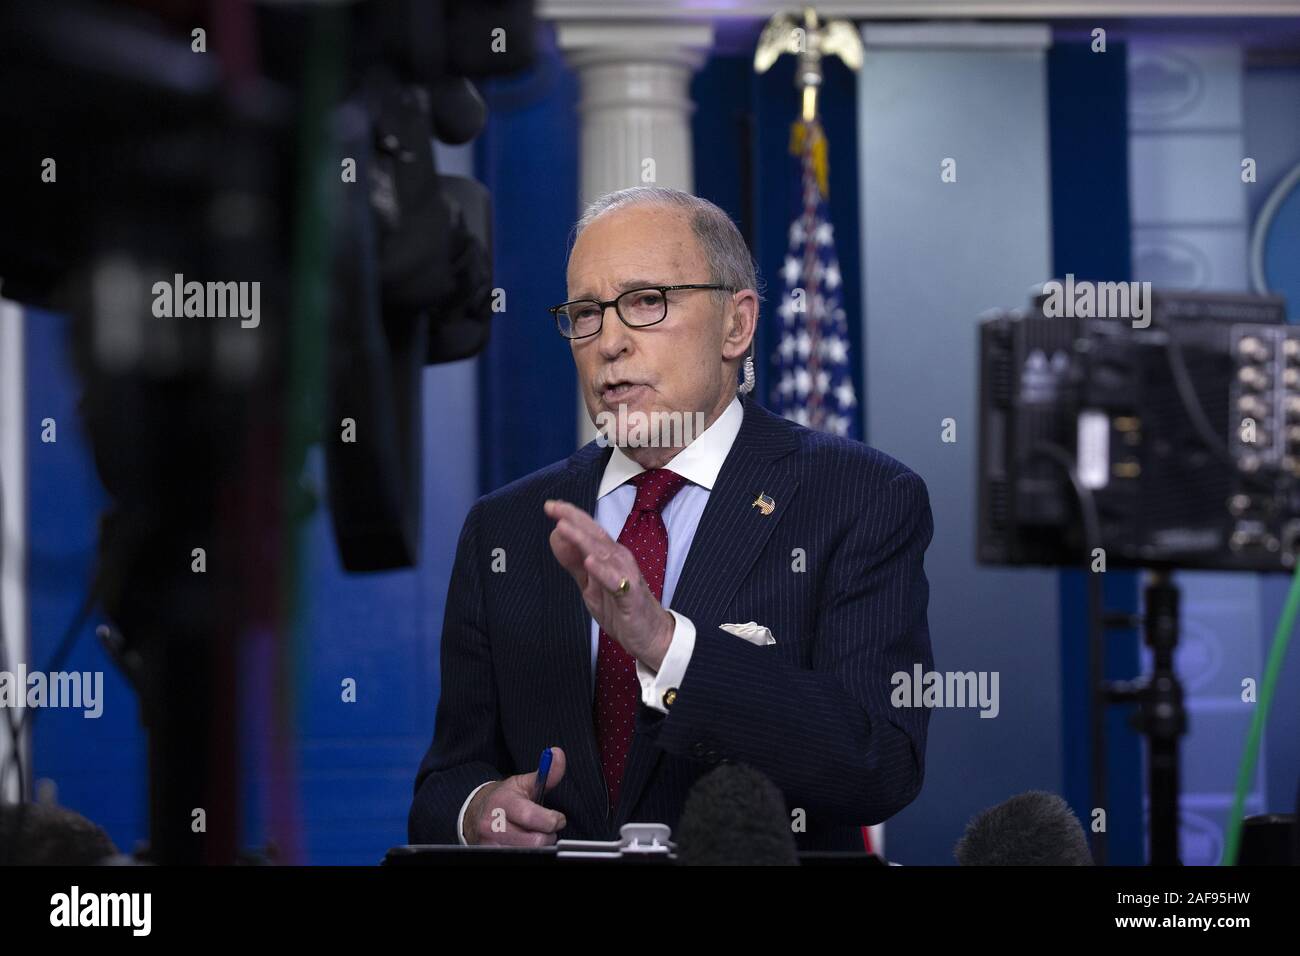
[673, 668]
[460, 818]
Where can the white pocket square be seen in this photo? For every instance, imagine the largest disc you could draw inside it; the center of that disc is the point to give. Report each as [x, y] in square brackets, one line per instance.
[753, 632]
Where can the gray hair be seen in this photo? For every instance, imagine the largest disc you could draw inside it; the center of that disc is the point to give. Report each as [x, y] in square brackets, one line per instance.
[729, 259]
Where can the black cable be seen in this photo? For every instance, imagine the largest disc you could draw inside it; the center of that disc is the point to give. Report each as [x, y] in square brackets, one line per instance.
[1097, 647]
[15, 734]
[1216, 444]
[67, 642]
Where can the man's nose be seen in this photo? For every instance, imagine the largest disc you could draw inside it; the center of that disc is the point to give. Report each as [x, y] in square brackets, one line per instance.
[614, 337]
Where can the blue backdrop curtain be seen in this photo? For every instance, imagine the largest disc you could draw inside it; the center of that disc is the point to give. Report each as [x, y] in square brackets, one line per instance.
[528, 159]
[1088, 124]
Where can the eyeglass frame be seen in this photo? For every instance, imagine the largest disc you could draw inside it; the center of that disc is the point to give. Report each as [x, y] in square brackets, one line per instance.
[661, 289]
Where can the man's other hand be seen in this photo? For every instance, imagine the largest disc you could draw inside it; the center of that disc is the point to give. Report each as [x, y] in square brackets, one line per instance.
[503, 813]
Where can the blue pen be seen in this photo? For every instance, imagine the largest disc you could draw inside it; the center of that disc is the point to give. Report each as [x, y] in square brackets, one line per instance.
[543, 770]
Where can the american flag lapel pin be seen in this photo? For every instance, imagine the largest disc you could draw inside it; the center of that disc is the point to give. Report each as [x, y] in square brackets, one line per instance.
[764, 504]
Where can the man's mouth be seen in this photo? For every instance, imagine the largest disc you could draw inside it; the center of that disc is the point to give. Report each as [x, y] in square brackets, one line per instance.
[620, 391]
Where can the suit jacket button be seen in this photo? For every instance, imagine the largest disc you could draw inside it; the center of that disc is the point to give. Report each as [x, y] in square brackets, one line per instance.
[712, 756]
[670, 696]
[698, 750]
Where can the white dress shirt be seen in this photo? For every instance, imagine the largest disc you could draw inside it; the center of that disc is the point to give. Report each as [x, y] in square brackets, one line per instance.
[699, 463]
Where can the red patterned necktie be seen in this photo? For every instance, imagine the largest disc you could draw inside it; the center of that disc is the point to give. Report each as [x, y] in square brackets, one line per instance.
[617, 687]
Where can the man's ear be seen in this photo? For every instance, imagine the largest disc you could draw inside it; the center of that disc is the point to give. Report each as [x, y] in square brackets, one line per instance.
[741, 324]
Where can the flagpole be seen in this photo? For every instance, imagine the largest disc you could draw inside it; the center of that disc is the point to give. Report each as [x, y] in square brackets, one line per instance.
[815, 387]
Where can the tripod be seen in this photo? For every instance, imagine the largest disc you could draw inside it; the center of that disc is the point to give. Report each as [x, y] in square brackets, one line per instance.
[1160, 715]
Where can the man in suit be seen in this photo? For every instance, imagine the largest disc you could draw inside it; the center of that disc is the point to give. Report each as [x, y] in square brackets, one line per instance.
[651, 608]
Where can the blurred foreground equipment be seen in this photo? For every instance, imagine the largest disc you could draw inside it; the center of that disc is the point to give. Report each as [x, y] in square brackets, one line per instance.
[238, 206]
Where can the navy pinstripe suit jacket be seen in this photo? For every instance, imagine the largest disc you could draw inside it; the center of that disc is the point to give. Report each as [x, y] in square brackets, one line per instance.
[812, 711]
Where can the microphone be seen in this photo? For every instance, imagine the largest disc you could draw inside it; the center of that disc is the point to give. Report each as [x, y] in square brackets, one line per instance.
[735, 816]
[1031, 829]
[38, 834]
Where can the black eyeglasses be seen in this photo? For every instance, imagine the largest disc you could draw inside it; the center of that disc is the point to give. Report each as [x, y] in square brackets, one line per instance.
[637, 308]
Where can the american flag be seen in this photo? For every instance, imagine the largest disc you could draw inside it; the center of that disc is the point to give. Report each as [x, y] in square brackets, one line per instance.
[813, 384]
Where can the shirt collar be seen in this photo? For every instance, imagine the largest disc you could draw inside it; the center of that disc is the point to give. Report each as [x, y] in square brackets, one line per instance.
[699, 462]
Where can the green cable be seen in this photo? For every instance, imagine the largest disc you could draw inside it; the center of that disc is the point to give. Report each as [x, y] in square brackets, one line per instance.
[1281, 638]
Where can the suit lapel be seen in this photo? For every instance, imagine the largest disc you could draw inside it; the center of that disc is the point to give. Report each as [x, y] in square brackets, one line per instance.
[732, 530]
[568, 625]
[731, 535]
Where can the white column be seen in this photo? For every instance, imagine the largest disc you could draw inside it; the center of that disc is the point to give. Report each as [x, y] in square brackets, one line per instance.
[636, 105]
[13, 530]
[635, 108]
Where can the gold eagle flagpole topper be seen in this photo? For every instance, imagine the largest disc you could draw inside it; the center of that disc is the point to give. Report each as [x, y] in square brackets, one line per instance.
[810, 41]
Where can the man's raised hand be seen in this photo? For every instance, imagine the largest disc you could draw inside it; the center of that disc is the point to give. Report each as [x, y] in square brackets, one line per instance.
[599, 564]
